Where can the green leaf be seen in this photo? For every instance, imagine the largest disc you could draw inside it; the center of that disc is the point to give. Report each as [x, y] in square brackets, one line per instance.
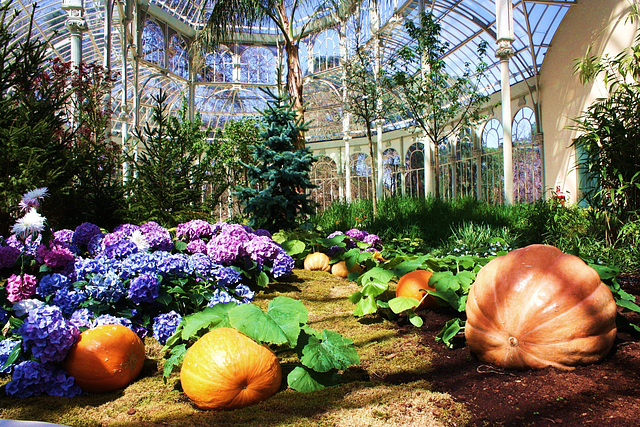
[209, 318]
[164, 299]
[196, 299]
[180, 246]
[305, 381]
[16, 352]
[449, 331]
[605, 272]
[332, 351]
[366, 305]
[263, 279]
[256, 324]
[374, 289]
[293, 247]
[376, 274]
[289, 314]
[355, 297]
[414, 319]
[629, 305]
[177, 356]
[400, 304]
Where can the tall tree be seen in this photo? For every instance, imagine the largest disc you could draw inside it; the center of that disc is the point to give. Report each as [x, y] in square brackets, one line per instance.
[231, 16]
[439, 104]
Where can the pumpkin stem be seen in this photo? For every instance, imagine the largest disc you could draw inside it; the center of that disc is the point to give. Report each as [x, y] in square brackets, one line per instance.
[513, 341]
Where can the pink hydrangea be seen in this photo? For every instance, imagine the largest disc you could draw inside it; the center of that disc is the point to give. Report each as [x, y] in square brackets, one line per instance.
[21, 287]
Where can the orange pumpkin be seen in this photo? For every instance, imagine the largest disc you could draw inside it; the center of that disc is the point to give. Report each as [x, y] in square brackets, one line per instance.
[317, 261]
[340, 269]
[105, 358]
[538, 307]
[415, 285]
[225, 369]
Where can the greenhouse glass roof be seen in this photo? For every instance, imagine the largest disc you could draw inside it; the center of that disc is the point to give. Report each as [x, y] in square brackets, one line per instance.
[224, 83]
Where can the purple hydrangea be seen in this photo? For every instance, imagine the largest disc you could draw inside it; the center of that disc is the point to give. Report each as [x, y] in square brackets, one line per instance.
[196, 229]
[50, 283]
[282, 265]
[197, 246]
[63, 236]
[158, 237]
[31, 378]
[228, 246]
[126, 229]
[81, 318]
[57, 256]
[263, 232]
[262, 248]
[21, 287]
[144, 288]
[164, 325]
[4, 316]
[8, 256]
[83, 234]
[373, 240]
[227, 277]
[94, 248]
[29, 246]
[202, 266]
[120, 250]
[47, 334]
[6, 347]
[334, 234]
[68, 299]
[359, 235]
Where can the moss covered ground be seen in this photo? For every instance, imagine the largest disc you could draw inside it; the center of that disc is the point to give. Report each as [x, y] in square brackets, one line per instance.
[390, 387]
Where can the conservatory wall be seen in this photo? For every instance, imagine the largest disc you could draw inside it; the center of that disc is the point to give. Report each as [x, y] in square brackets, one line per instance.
[543, 160]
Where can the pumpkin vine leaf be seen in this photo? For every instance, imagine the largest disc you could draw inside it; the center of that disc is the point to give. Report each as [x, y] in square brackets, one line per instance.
[305, 381]
[330, 351]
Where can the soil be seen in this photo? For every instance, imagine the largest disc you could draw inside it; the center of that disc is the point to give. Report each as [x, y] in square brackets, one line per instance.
[603, 394]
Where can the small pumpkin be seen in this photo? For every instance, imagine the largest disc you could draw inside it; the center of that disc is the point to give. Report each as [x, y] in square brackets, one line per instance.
[105, 358]
[538, 307]
[415, 285]
[340, 269]
[225, 369]
[317, 261]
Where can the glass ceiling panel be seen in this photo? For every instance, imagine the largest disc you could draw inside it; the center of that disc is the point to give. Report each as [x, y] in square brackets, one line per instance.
[465, 24]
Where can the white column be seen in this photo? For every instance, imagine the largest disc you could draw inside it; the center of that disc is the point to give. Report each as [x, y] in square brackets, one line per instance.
[504, 23]
[346, 117]
[428, 184]
[76, 25]
[375, 30]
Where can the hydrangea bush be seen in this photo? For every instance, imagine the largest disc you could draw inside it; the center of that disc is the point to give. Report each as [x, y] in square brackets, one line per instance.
[55, 285]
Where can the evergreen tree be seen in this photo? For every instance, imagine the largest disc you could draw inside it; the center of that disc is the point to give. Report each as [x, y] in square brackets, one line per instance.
[279, 178]
[170, 168]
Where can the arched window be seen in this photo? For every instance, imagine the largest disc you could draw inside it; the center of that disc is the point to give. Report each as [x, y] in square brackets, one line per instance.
[360, 164]
[257, 65]
[414, 162]
[527, 157]
[326, 51]
[178, 56]
[492, 172]
[390, 174]
[153, 43]
[466, 165]
[324, 174]
[446, 163]
[218, 67]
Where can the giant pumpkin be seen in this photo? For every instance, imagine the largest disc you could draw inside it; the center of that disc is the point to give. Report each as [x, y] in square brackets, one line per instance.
[340, 269]
[225, 369]
[538, 307]
[317, 261]
[105, 358]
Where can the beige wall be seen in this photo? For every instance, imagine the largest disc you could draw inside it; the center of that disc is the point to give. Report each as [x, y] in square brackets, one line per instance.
[599, 23]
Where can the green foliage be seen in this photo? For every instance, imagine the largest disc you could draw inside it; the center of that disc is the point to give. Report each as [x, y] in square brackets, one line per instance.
[279, 178]
[321, 355]
[33, 143]
[438, 103]
[170, 163]
[609, 138]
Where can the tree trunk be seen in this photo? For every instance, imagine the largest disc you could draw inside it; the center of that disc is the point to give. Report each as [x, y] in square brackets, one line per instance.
[294, 86]
[436, 152]
[373, 173]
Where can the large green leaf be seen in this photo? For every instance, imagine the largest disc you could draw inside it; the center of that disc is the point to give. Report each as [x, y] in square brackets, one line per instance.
[374, 289]
[293, 247]
[305, 381]
[331, 351]
[258, 325]
[209, 318]
[400, 304]
[366, 305]
[289, 314]
[376, 274]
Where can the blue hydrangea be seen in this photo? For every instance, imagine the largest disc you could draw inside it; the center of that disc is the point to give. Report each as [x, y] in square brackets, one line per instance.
[227, 277]
[50, 283]
[6, 347]
[106, 288]
[68, 299]
[202, 266]
[120, 250]
[86, 267]
[95, 245]
[244, 293]
[220, 297]
[31, 378]
[144, 288]
[282, 265]
[173, 265]
[4, 316]
[107, 319]
[138, 263]
[81, 318]
[47, 334]
[164, 325]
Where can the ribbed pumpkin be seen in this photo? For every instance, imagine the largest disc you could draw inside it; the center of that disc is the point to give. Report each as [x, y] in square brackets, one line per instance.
[413, 285]
[340, 269]
[538, 307]
[105, 358]
[317, 261]
[225, 369]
